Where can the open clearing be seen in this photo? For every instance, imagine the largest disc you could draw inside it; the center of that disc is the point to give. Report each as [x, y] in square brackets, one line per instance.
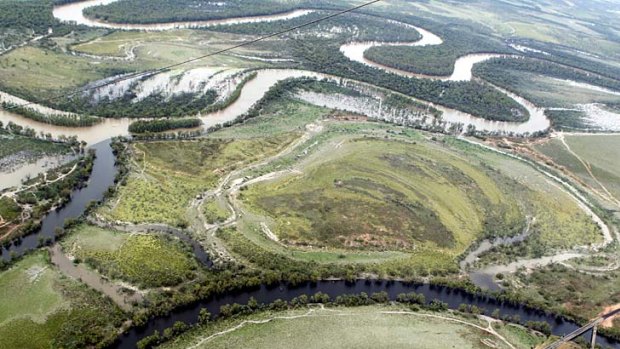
[424, 203]
[363, 327]
[597, 152]
[380, 195]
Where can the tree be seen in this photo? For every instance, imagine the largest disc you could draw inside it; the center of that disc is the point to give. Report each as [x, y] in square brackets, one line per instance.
[204, 316]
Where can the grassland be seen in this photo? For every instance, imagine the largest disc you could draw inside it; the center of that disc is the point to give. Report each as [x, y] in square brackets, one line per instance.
[557, 222]
[401, 184]
[596, 151]
[166, 176]
[380, 195]
[31, 70]
[284, 116]
[39, 308]
[153, 48]
[143, 260]
[359, 327]
[216, 211]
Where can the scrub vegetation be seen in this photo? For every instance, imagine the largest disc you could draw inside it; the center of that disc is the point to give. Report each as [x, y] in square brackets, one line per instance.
[140, 259]
[166, 176]
[382, 195]
[40, 308]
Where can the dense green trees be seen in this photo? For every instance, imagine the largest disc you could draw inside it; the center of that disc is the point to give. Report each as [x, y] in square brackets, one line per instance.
[495, 69]
[155, 11]
[436, 59]
[153, 106]
[145, 126]
[476, 98]
[570, 57]
[34, 15]
[68, 120]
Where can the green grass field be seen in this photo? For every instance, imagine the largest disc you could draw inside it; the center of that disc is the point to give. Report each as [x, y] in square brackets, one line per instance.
[166, 176]
[380, 195]
[144, 260]
[597, 151]
[40, 308]
[360, 327]
[216, 211]
[283, 116]
[316, 214]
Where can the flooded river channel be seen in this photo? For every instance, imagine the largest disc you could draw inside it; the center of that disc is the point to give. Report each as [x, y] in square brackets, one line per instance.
[104, 172]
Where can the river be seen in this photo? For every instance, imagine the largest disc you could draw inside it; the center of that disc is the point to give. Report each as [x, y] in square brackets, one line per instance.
[266, 78]
[73, 12]
[104, 172]
[101, 179]
[265, 294]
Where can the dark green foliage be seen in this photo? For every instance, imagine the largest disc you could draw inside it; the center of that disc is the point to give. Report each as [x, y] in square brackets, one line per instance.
[353, 26]
[35, 15]
[437, 305]
[473, 97]
[539, 326]
[495, 71]
[436, 59]
[570, 57]
[155, 11]
[153, 106]
[411, 298]
[144, 126]
[71, 120]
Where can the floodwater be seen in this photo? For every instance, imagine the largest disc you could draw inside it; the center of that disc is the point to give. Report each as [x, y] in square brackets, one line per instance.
[463, 66]
[73, 12]
[14, 176]
[104, 171]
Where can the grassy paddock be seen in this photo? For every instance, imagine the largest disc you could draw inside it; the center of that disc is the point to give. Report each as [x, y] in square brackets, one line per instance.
[359, 327]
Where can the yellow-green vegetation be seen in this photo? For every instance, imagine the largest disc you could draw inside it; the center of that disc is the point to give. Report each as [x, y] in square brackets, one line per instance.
[30, 69]
[9, 210]
[39, 308]
[145, 260]
[285, 115]
[11, 144]
[583, 295]
[384, 195]
[28, 291]
[166, 176]
[156, 48]
[597, 151]
[557, 221]
[215, 211]
[404, 206]
[340, 327]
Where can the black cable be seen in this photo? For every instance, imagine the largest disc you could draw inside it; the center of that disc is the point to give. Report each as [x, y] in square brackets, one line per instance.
[159, 70]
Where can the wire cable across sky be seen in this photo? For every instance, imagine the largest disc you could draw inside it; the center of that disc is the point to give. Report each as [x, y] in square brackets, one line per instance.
[174, 65]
